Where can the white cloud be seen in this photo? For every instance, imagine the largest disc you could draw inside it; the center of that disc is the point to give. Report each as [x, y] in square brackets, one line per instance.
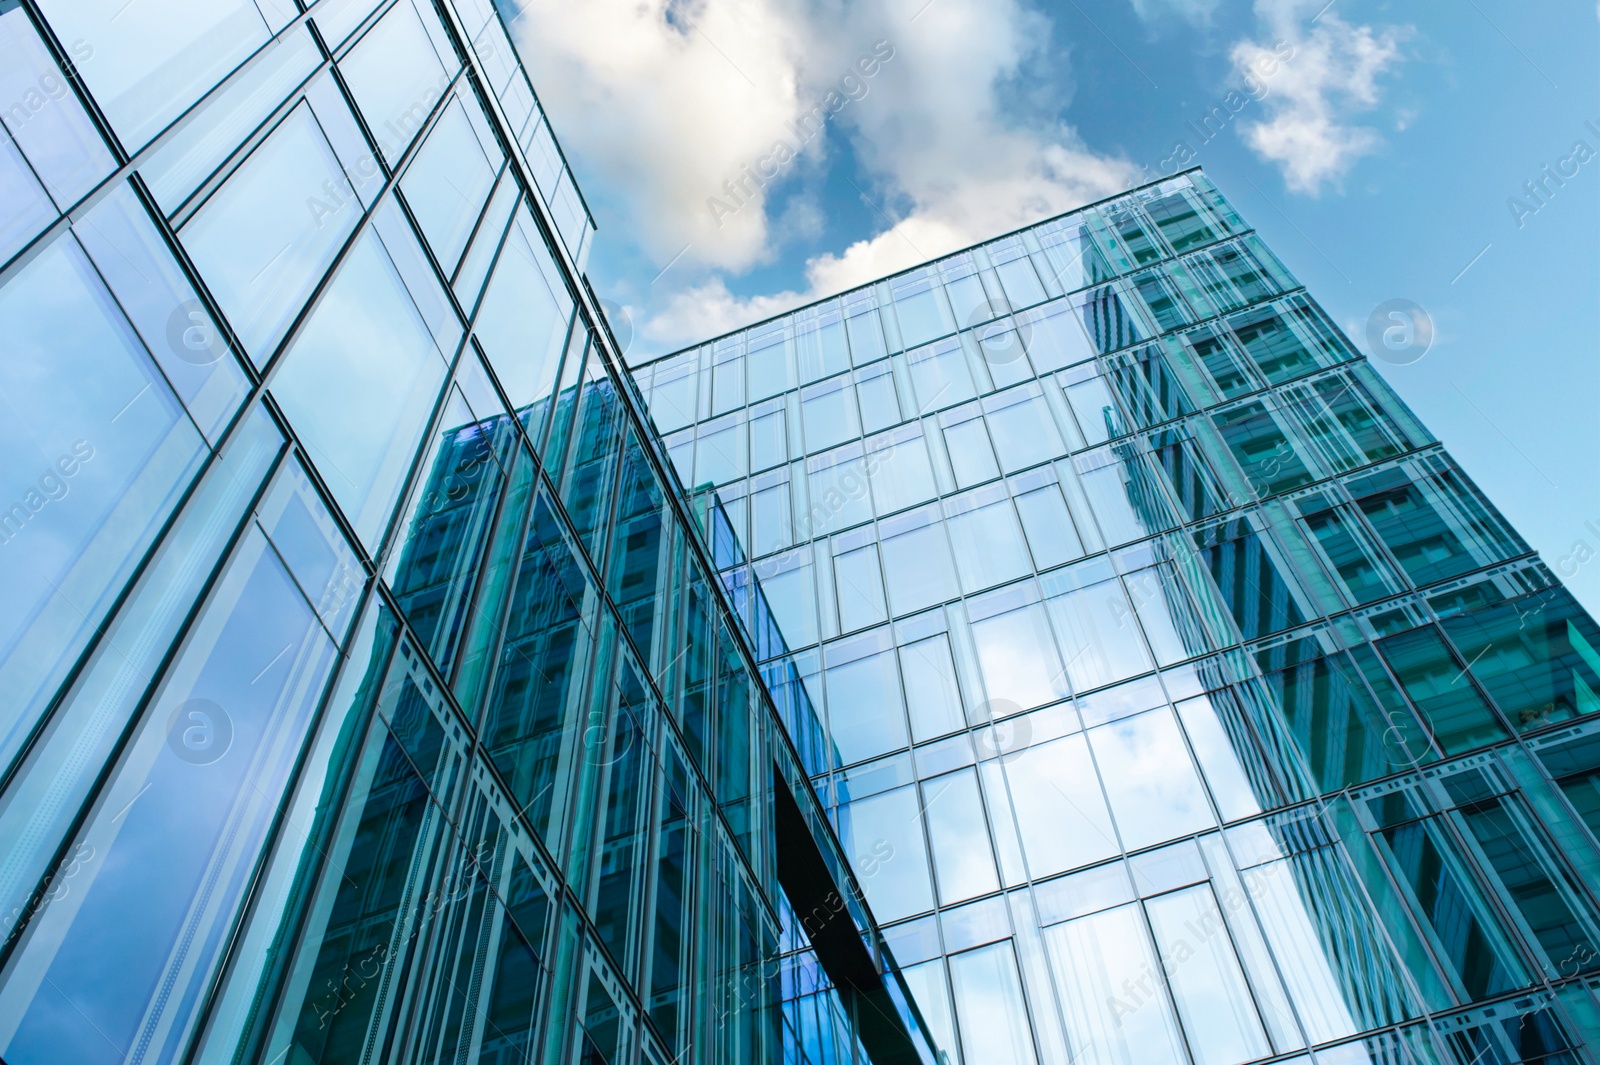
[1331, 77]
[663, 111]
[658, 118]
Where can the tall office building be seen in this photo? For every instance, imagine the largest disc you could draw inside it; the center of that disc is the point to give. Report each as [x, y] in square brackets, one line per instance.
[1175, 695]
[365, 695]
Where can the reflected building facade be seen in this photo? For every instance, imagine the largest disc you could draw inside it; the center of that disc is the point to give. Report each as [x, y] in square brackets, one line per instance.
[367, 692]
[1175, 694]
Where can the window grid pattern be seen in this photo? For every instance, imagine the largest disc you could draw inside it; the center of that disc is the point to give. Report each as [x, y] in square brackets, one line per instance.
[1098, 552]
[368, 694]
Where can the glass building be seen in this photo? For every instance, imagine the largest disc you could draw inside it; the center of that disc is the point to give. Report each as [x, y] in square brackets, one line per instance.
[366, 693]
[1176, 697]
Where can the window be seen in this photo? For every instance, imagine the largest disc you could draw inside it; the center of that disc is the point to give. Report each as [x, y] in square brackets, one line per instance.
[1018, 659]
[1051, 535]
[987, 539]
[1154, 790]
[932, 693]
[882, 838]
[360, 383]
[396, 78]
[989, 1004]
[865, 715]
[522, 323]
[963, 860]
[916, 559]
[859, 585]
[1024, 432]
[264, 239]
[448, 183]
[1213, 999]
[1131, 1025]
[1060, 810]
[829, 413]
[1099, 635]
[971, 455]
[150, 63]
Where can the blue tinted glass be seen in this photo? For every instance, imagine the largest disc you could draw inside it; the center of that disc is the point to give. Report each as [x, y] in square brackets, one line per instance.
[864, 707]
[264, 239]
[396, 78]
[523, 321]
[447, 184]
[24, 207]
[97, 450]
[165, 858]
[178, 166]
[146, 63]
[359, 383]
[136, 262]
[44, 116]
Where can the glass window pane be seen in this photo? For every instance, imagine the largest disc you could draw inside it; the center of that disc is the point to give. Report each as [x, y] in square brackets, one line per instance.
[963, 860]
[829, 414]
[882, 838]
[1099, 635]
[940, 376]
[860, 587]
[24, 208]
[1052, 537]
[1025, 434]
[178, 166]
[1220, 759]
[792, 596]
[1054, 337]
[149, 61]
[932, 694]
[1018, 659]
[1116, 1013]
[923, 313]
[44, 116]
[840, 495]
[359, 384]
[447, 184]
[214, 756]
[522, 323]
[1213, 1000]
[769, 444]
[1096, 410]
[865, 716]
[265, 237]
[154, 292]
[971, 455]
[902, 473]
[769, 515]
[1061, 813]
[927, 985]
[1150, 778]
[919, 569]
[97, 451]
[989, 1004]
[989, 546]
[719, 455]
[395, 76]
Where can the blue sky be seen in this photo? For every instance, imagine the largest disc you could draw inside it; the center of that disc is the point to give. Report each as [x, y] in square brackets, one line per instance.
[1380, 159]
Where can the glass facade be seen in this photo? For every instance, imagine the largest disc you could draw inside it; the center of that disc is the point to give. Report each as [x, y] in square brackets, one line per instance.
[1176, 696]
[366, 693]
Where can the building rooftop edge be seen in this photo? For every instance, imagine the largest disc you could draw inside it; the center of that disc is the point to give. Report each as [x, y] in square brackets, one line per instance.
[1197, 168]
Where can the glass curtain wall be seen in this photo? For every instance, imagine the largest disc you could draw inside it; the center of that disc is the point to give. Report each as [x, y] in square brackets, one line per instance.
[1176, 696]
[367, 695]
